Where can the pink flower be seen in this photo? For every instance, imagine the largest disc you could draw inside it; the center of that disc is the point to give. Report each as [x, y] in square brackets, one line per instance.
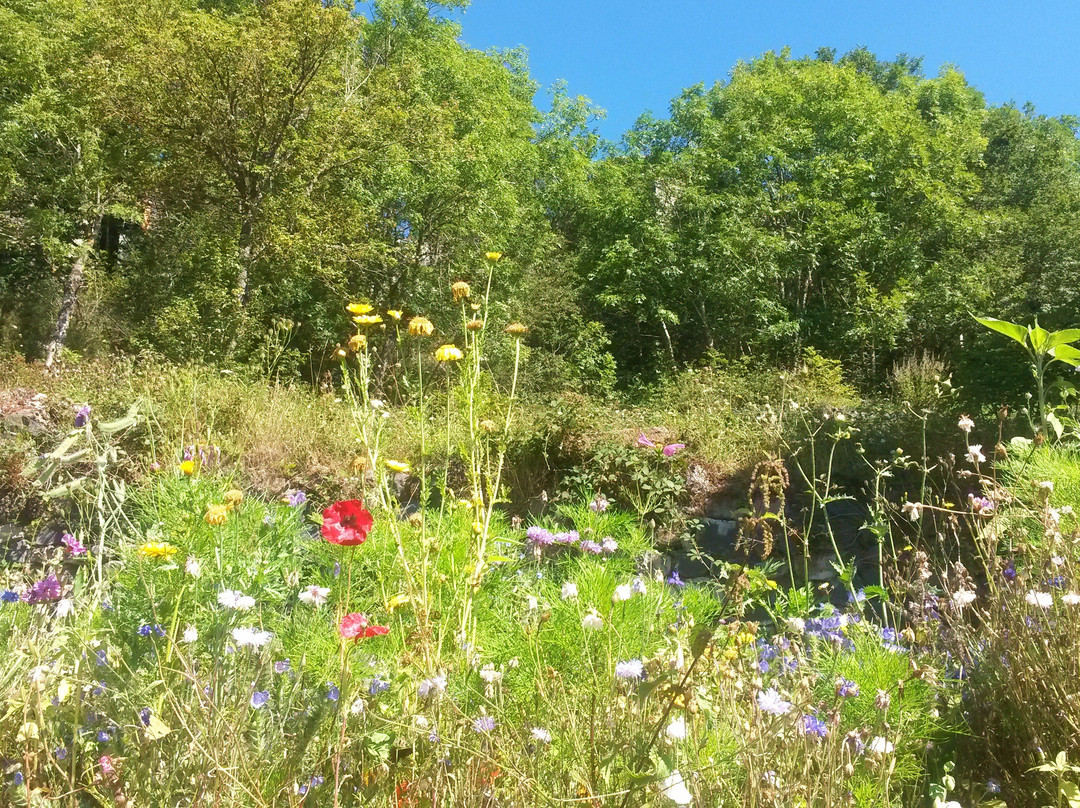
[643, 441]
[347, 523]
[673, 448]
[355, 626]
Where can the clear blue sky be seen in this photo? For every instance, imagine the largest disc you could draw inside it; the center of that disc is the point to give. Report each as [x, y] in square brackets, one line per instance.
[633, 56]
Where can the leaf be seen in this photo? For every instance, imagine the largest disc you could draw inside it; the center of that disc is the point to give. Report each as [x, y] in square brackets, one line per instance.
[1016, 332]
[1040, 339]
[1071, 792]
[1067, 354]
[1063, 336]
[125, 421]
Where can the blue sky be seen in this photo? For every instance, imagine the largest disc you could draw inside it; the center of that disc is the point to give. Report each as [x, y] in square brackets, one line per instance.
[631, 56]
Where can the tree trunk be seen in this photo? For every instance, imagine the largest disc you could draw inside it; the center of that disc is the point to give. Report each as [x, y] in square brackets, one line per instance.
[72, 286]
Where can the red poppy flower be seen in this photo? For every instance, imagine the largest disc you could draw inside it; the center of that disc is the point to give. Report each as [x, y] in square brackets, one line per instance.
[355, 626]
[346, 523]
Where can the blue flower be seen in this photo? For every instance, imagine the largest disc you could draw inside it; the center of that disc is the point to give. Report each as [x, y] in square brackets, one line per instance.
[146, 630]
[812, 725]
[103, 736]
[103, 657]
[845, 688]
[630, 669]
[144, 716]
[17, 778]
[333, 694]
[483, 724]
[259, 698]
[675, 580]
[378, 686]
[1009, 573]
[82, 415]
[60, 753]
[281, 666]
[8, 596]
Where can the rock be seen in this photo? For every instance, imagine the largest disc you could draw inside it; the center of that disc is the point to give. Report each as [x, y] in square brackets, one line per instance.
[725, 507]
[716, 538]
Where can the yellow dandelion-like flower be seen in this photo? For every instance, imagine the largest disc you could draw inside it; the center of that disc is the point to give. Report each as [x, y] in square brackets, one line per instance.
[493, 256]
[367, 319]
[357, 342]
[460, 290]
[448, 353]
[474, 325]
[233, 498]
[188, 467]
[398, 466]
[394, 313]
[474, 306]
[216, 514]
[158, 549]
[517, 329]
[421, 327]
[397, 601]
[359, 308]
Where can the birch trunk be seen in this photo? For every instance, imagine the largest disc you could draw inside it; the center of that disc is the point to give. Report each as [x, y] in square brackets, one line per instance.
[72, 286]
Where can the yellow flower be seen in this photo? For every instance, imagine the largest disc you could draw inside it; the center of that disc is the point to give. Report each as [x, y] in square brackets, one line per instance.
[188, 467]
[517, 329]
[460, 290]
[367, 319]
[233, 498]
[216, 514]
[421, 327]
[158, 549]
[493, 256]
[448, 353]
[357, 342]
[394, 313]
[474, 306]
[398, 466]
[399, 599]
[359, 308]
[341, 353]
[474, 324]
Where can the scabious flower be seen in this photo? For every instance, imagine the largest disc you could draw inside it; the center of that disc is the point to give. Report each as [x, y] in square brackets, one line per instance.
[1070, 599]
[160, 550]
[599, 504]
[231, 599]
[421, 327]
[82, 415]
[347, 523]
[315, 595]
[44, 591]
[592, 621]
[193, 567]
[74, 546]
[609, 545]
[216, 514]
[770, 701]
[251, 637]
[538, 536]
[845, 688]
[812, 725]
[483, 724]
[191, 634]
[674, 788]
[435, 686]
[355, 626]
[963, 597]
[460, 290]
[1044, 600]
[591, 547]
[630, 669]
[541, 735]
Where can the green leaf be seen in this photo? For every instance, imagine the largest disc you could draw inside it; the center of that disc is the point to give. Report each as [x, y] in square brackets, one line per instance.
[1056, 424]
[1063, 336]
[1017, 332]
[1040, 339]
[1067, 354]
[1071, 792]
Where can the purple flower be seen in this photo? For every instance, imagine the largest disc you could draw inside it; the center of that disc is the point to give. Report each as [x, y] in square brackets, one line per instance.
[599, 504]
[44, 591]
[770, 702]
[483, 724]
[281, 666]
[673, 448]
[317, 780]
[378, 685]
[589, 546]
[146, 630]
[644, 441]
[568, 537]
[18, 779]
[259, 698]
[538, 536]
[845, 688]
[812, 725]
[297, 498]
[433, 736]
[675, 580]
[9, 596]
[82, 415]
[610, 545]
[75, 547]
[630, 669]
[333, 694]
[103, 736]
[144, 716]
[1009, 573]
[60, 753]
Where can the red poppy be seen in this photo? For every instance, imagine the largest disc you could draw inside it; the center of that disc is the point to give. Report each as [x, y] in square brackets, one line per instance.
[355, 626]
[346, 523]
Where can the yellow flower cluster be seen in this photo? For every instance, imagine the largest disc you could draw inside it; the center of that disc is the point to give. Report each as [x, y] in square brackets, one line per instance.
[158, 550]
[448, 353]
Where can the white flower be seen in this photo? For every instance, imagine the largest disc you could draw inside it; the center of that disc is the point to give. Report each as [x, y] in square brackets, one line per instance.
[1057, 561]
[542, 735]
[191, 634]
[193, 567]
[421, 721]
[622, 592]
[231, 599]
[975, 455]
[534, 604]
[1070, 599]
[675, 789]
[966, 424]
[253, 637]
[65, 608]
[434, 686]
[796, 624]
[912, 510]
[963, 598]
[314, 595]
[490, 675]
[357, 707]
[677, 729]
[569, 590]
[592, 621]
[878, 746]
[1044, 600]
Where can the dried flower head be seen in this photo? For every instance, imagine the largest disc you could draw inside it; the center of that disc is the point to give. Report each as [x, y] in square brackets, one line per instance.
[460, 291]
[517, 329]
[216, 514]
[421, 327]
[357, 343]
